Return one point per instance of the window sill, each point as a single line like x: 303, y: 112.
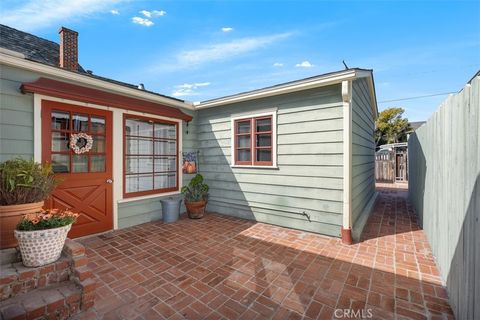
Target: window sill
x: 150, y: 196
x: 254, y: 167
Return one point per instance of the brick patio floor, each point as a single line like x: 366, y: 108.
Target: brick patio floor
x: 227, y: 268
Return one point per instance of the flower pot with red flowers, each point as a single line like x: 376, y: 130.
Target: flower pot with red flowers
x: 196, y: 196
x: 24, y: 185
x: 41, y: 235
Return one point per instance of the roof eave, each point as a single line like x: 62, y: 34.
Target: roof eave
x: 17, y: 61
x: 320, y: 81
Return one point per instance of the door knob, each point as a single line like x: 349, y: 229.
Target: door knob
x: 109, y: 181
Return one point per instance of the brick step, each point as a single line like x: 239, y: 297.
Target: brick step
x: 17, y: 279
x: 21, y: 286
x: 59, y: 301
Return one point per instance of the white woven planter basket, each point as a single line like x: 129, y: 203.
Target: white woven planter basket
x: 41, y: 247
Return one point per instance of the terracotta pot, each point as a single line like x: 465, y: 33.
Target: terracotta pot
x: 196, y: 210
x: 10, y: 216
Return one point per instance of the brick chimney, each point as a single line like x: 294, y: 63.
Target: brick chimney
x: 68, y: 49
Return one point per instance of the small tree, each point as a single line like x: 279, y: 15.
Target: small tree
x: 391, y: 127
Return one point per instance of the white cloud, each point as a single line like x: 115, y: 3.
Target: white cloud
x: 114, y: 11
x: 160, y: 13
x: 146, y: 13
x: 226, y: 50
x: 227, y: 29
x: 33, y: 15
x: 154, y: 13
x: 304, y: 64
x: 188, y: 89
x: 142, y: 21
x: 278, y: 64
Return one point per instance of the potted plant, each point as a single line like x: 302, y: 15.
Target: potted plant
x: 196, y: 196
x: 41, y: 235
x: 24, y: 185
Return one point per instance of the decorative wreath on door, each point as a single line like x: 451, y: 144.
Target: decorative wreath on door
x: 81, y: 142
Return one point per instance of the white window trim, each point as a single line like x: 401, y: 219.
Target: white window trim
x: 261, y: 113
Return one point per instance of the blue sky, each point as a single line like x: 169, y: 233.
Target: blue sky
x: 196, y: 50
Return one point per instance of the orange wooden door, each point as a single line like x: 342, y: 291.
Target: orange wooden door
x: 86, y: 178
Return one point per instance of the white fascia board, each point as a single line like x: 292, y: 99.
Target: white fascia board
x: 18, y: 62
x: 292, y: 87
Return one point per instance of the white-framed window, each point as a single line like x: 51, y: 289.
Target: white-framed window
x: 254, y: 139
x: 150, y: 156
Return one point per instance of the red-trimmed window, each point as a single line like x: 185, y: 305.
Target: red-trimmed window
x: 253, y: 141
x: 150, y: 156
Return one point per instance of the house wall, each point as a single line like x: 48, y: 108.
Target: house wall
x: 16, y: 115
x: 309, y: 157
x: 363, y: 156
x: 17, y: 140
x: 444, y: 187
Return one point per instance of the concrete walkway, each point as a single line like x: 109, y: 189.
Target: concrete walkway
x: 226, y: 268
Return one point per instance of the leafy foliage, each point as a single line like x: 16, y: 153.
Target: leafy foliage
x: 47, y: 219
x: 25, y: 181
x: 196, y: 189
x: 391, y: 127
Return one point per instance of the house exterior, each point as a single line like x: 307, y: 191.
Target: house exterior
x: 299, y: 154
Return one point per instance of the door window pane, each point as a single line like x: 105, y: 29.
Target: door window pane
x: 60, y: 141
x: 79, y: 163
x: 139, y: 146
x: 60, y: 163
x: 80, y: 122
x: 98, y: 124
x: 60, y: 120
x: 243, y: 141
x: 264, y: 155
x: 167, y: 147
x: 243, y: 127
x: 98, y: 144
x: 141, y: 182
x: 136, y: 127
x: 135, y: 164
x: 244, y: 155
x: 264, y: 125
x: 97, y: 163
x: 167, y: 131
x: 264, y: 140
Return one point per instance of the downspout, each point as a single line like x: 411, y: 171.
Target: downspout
x: 347, y: 162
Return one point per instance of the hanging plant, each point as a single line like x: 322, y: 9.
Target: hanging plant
x: 81, y: 142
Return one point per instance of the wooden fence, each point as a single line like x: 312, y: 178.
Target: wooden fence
x: 385, y: 166
x: 444, y: 186
x: 391, y: 166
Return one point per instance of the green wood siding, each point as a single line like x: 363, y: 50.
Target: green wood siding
x: 363, y: 155
x: 16, y: 115
x: 139, y: 211
x: 309, y: 159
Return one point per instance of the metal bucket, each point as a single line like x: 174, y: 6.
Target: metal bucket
x: 170, y: 209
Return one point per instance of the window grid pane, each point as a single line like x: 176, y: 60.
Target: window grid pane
x: 150, y: 155
x: 66, y: 123
x: 254, y: 141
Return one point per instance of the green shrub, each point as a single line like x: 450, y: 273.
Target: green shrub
x: 25, y: 181
x: 196, y: 190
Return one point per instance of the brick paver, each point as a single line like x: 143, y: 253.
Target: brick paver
x: 226, y: 268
